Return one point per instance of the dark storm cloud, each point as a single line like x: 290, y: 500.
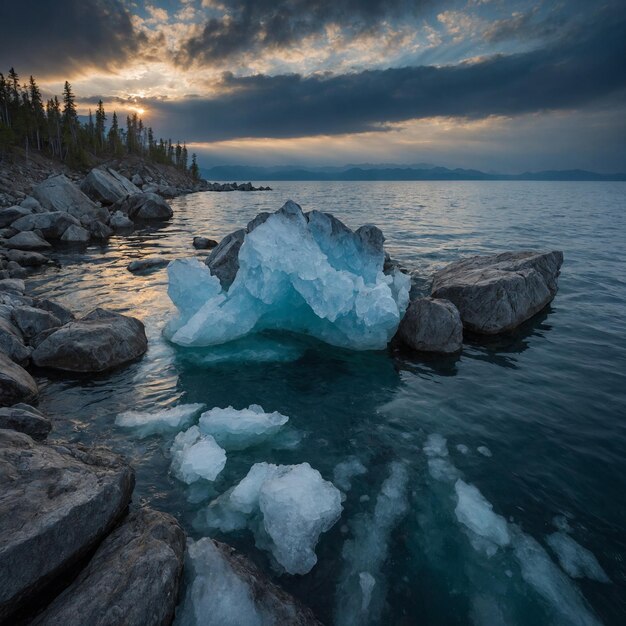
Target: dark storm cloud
x: 261, y: 24
x: 45, y: 36
x: 585, y: 67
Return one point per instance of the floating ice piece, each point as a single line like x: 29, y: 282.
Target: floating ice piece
x: 462, y: 448
x: 196, y: 456
x: 307, y: 274
x: 484, y: 450
x: 578, y: 562
x: 476, y: 514
x: 546, y: 578
x: 286, y: 506
x: 168, y: 420
x: 439, y: 467
x: 361, y: 589
x: 345, y: 471
x: 237, y: 429
x: 435, y: 445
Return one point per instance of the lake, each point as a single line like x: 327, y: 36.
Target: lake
x: 546, y: 405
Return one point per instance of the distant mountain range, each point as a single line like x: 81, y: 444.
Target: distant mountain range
x: 390, y: 172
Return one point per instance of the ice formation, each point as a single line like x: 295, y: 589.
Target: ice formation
x: 476, y: 514
x: 165, y: 421
x: 303, y: 273
x: 217, y: 596
x: 439, y: 465
x: 196, y: 456
x: 577, y: 561
x: 286, y: 506
x: 347, y: 470
x: 236, y: 430
x: 484, y: 450
x: 360, y: 594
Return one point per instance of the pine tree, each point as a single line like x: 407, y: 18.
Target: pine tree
x: 39, y: 116
x: 194, y: 170
x: 100, y: 124
x: 183, y: 158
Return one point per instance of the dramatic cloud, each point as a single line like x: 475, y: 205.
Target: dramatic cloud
x: 45, y: 37
x: 248, y: 25
x: 296, y: 106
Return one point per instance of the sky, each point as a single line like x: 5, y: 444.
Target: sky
x: 497, y: 85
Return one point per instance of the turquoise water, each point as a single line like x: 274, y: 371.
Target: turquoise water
x: 549, y: 402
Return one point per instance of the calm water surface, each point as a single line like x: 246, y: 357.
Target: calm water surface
x: 549, y: 403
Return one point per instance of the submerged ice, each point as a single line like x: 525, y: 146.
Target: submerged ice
x: 287, y: 507
x: 303, y: 273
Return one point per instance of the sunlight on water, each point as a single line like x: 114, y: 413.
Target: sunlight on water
x: 548, y: 403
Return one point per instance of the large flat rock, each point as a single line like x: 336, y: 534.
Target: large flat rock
x: 495, y: 294
x: 25, y: 419
x: 56, y: 504
x: 132, y: 579
x: 107, y: 186
x: 100, y: 341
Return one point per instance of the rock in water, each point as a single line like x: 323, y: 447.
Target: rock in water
x: 98, y: 342
x: 288, y: 507
x: 307, y: 274
x: 32, y: 321
x: 432, y: 325
x: 132, y: 579
x: 51, y: 224
x: 204, y: 243
x: 147, y: 263
x: 27, y: 241
x: 25, y: 419
x: 119, y: 221
x: 107, y: 186
x: 497, y: 293
x: 16, y: 384
x: 75, y: 234
x: 57, y: 504
x: 145, y: 206
x: 227, y: 588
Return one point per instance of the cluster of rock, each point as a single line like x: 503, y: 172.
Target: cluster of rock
x: 485, y: 295
x: 233, y: 187
x: 46, y: 334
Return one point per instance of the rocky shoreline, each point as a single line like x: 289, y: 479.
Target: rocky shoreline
x: 73, y: 545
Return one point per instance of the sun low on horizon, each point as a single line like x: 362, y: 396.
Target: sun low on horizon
x: 493, y: 85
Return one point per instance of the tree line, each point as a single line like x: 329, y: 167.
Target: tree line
x: 53, y: 127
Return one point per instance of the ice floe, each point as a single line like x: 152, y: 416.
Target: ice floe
x: 345, y: 471
x: 303, y: 273
x: 577, y: 561
x: 361, y: 589
x: 196, y: 456
x: 287, y: 507
x: 146, y: 423
x: 237, y: 429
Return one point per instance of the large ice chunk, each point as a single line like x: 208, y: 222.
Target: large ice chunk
x: 307, y: 274
x: 196, y: 456
x: 287, y: 507
x: 147, y: 423
x: 236, y: 430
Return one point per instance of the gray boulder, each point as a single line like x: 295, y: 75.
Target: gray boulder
x: 100, y: 341
x: 25, y: 419
x: 51, y: 224
x: 211, y: 561
x: 146, y: 206
x: 147, y: 263
x: 16, y: 384
x: 119, y: 221
x: 15, y: 270
x: 27, y: 258
x: 75, y: 234
x: 431, y: 325
x: 204, y: 243
x: 497, y: 293
x: 132, y: 579
x: 32, y: 321
x: 137, y: 180
x: 12, y: 286
x: 58, y: 310
x: 59, y: 193
x: 32, y: 205
x: 57, y: 504
x: 27, y: 241
x: 98, y: 230
x: 224, y: 259
x: 12, y: 342
x: 12, y: 213
x: 107, y: 186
